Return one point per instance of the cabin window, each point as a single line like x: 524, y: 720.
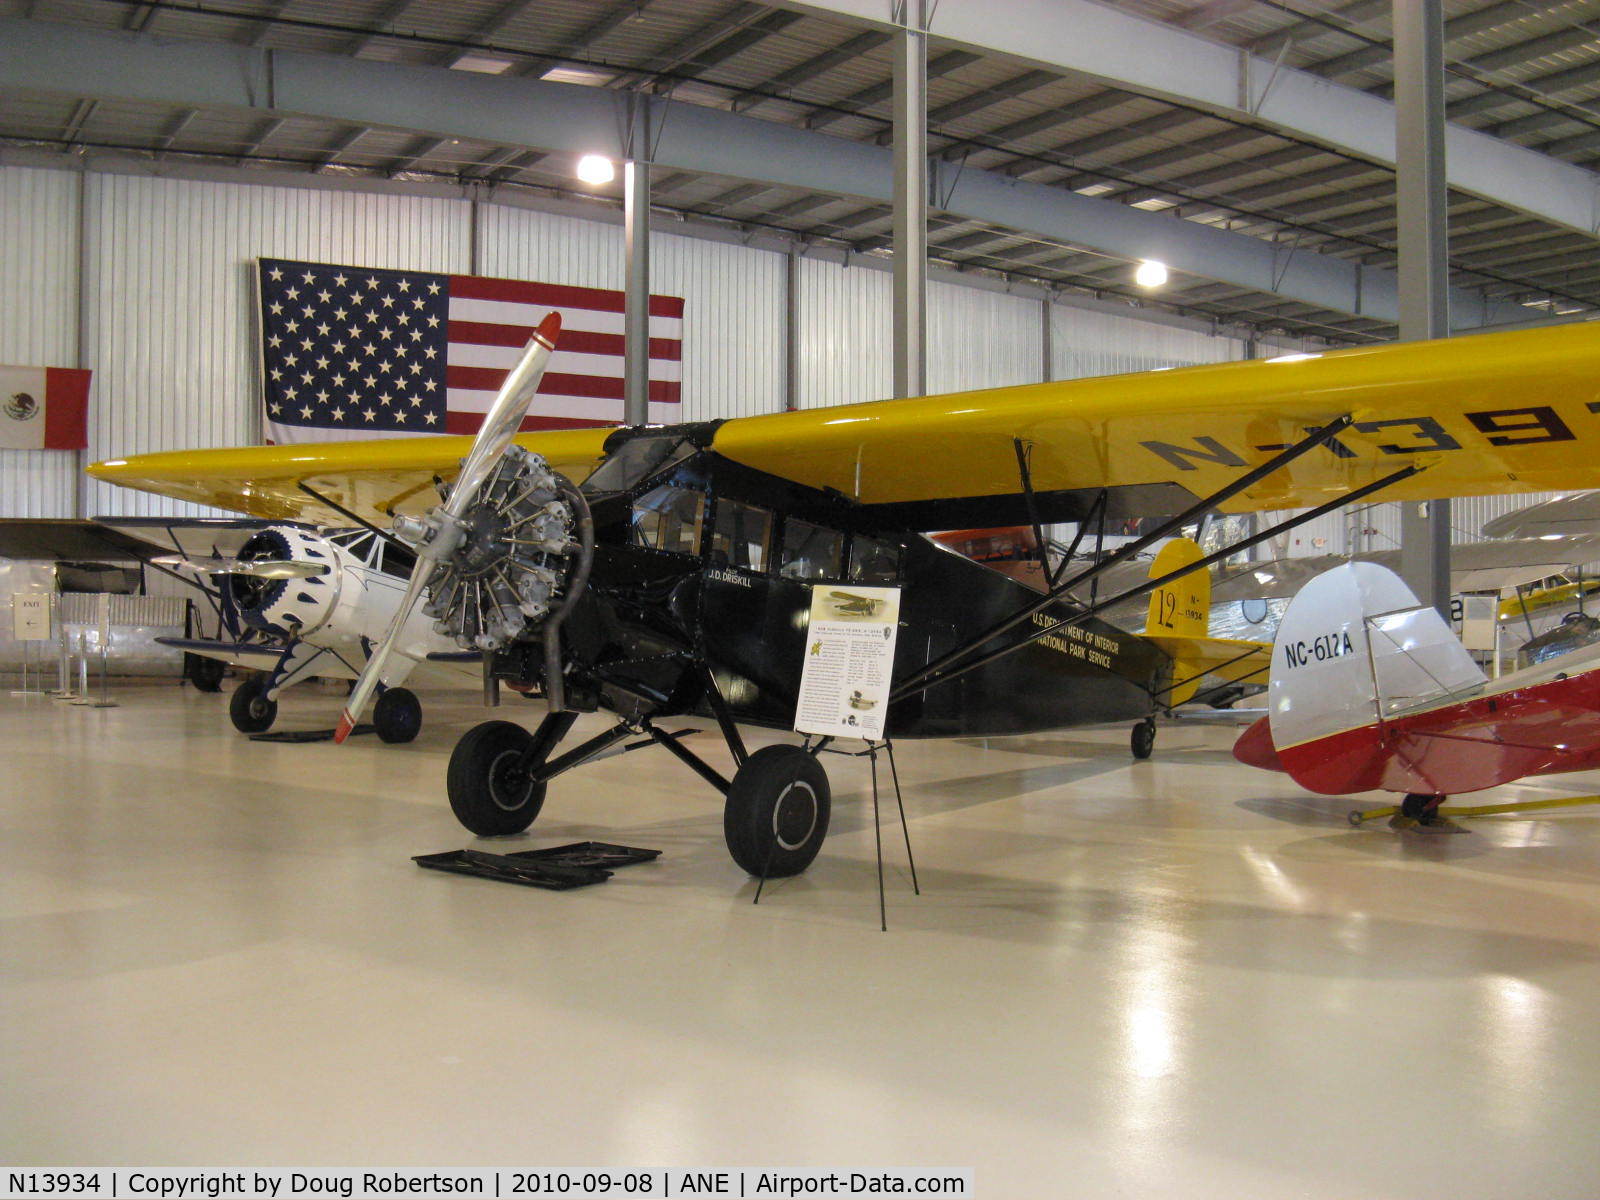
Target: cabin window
x: 740, y: 536
x: 669, y: 518
x: 810, y: 551
x: 873, y: 561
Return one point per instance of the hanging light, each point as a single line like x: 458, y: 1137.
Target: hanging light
x: 596, y: 169
x: 1150, y: 273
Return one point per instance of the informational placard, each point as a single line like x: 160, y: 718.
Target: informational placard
x: 30, y: 616
x: 844, y: 687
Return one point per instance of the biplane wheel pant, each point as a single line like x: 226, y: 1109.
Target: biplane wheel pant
x: 777, y: 812
x: 250, y: 709
x: 490, y: 780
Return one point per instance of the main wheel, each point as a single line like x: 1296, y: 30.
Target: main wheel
x: 777, y: 812
x: 490, y: 791
x: 1143, y: 741
x: 398, y: 715
x: 250, y: 709
x: 204, y: 673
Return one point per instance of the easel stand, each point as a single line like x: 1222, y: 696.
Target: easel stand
x: 871, y: 754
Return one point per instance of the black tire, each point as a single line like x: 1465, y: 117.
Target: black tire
x: 777, y: 812
x: 489, y: 793
x: 1143, y: 741
x: 397, y: 716
x: 204, y: 673
x: 250, y: 709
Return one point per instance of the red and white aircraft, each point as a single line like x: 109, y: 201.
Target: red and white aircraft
x: 1370, y: 690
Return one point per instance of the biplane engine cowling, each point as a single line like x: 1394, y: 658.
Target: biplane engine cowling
x: 509, y: 558
x: 288, y: 607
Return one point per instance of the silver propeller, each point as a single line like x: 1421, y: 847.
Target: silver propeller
x: 439, y: 533
x: 256, y: 568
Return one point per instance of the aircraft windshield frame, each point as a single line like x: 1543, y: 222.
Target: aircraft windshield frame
x: 637, y: 460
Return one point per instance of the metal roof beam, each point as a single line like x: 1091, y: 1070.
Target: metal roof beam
x: 817, y: 65
x: 1156, y: 59
x: 46, y: 58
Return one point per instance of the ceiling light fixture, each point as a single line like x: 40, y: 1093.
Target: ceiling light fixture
x: 1150, y: 274
x: 596, y: 169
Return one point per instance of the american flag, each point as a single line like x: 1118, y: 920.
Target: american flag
x: 355, y: 352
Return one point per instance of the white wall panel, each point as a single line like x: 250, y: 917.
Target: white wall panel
x: 39, y: 321
x: 169, y: 279
x: 846, y: 328
x: 732, y: 324
x: 982, y: 339
x: 516, y: 243
x: 1093, y: 343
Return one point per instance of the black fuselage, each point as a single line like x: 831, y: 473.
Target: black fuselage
x: 703, y: 563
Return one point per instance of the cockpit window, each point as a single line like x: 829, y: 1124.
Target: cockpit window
x: 669, y: 518
x: 873, y: 561
x: 810, y: 551
x: 740, y: 536
x: 636, y: 460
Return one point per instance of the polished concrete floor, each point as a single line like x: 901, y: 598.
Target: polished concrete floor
x: 1173, y: 978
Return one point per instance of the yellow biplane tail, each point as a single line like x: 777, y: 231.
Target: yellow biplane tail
x: 1181, y: 608
x: 1179, y: 623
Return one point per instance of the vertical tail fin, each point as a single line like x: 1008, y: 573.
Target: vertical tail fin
x: 1181, y: 608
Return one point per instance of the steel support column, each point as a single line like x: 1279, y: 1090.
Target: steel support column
x: 910, y: 198
x: 636, y: 240
x: 1423, y: 233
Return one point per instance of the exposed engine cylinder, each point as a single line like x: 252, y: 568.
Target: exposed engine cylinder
x: 510, y: 558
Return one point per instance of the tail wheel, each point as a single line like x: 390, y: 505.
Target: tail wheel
x: 398, y: 715
x: 777, y: 812
x: 250, y: 709
x: 1143, y: 741
x: 491, y: 791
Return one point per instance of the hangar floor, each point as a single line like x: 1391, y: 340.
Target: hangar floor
x: 1174, y: 978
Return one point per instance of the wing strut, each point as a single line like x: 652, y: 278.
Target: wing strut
x: 1311, y: 441
x: 929, y: 676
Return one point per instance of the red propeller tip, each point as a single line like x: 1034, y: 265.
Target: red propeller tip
x: 549, y: 329
x: 346, y: 724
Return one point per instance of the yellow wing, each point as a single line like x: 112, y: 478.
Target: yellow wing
x: 1486, y: 413
x: 1503, y: 412
x: 371, y: 478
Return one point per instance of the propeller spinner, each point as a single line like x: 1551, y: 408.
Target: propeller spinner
x: 455, y: 543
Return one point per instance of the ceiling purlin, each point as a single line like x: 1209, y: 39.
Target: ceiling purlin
x: 486, y: 29
x: 853, y: 104
x: 392, y: 12
x: 263, y: 22
x: 981, y: 98
x: 331, y: 156
x: 264, y: 132
x: 174, y: 128
x: 421, y: 148
x: 813, y: 67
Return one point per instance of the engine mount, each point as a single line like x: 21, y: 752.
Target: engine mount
x: 502, y: 566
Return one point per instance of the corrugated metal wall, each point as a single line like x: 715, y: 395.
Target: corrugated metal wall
x: 1083, y: 343
x: 846, y: 335
x: 38, y: 321
x: 168, y: 279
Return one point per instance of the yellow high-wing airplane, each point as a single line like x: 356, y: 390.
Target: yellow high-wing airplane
x: 675, y: 578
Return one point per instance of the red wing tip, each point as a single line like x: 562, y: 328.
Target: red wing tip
x: 346, y: 724
x: 549, y: 329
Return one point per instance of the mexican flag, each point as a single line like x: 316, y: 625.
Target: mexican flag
x: 43, y: 408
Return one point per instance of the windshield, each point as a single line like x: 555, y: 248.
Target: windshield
x: 635, y: 460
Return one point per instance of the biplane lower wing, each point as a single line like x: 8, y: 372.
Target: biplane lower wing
x: 1503, y: 412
